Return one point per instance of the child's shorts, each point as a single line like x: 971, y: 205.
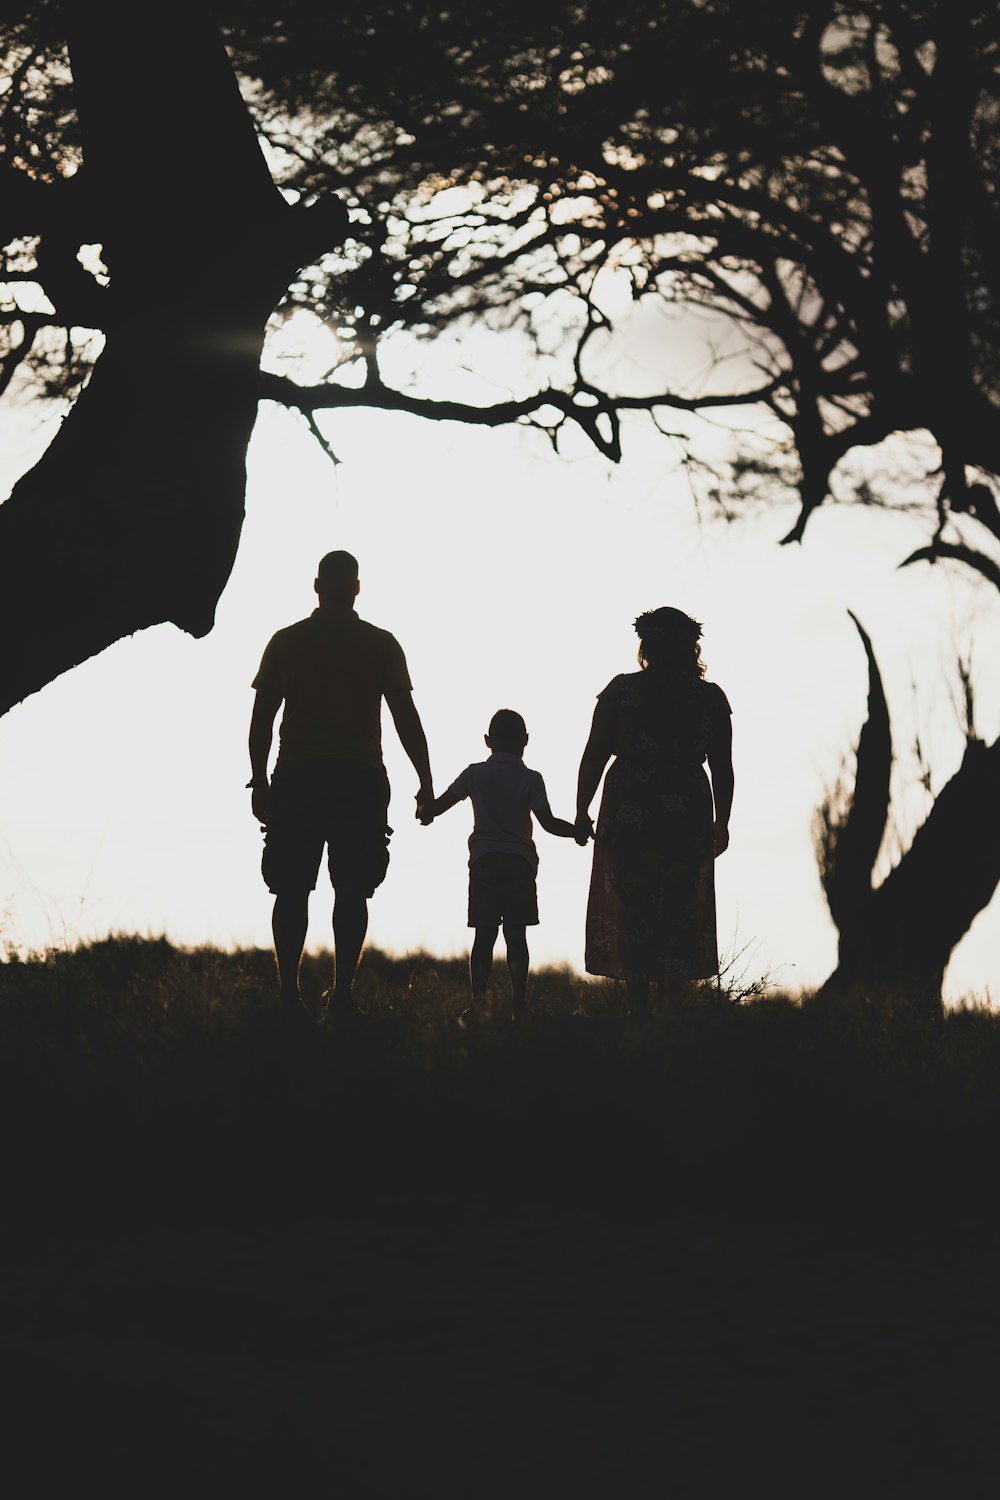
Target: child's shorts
x: 502, y: 889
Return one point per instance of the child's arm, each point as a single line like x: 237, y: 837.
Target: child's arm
x: 457, y: 792
x: 558, y: 826
x: 539, y: 805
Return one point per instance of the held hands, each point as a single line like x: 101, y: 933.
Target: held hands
x: 425, y: 805
x: 584, y: 829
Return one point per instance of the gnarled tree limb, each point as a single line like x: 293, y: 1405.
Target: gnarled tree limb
x: 849, y: 840
x: 958, y: 553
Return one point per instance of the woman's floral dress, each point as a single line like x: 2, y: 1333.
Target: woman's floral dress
x: 651, y: 910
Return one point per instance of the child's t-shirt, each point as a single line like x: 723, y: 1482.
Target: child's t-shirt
x: 504, y: 793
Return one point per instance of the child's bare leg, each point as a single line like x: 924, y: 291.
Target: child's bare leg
x: 481, y: 959
x: 516, y: 939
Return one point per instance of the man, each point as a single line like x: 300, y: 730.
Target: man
x: 329, y: 788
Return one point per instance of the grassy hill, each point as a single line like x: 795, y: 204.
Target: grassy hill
x: 137, y: 1073
x: 419, y: 1253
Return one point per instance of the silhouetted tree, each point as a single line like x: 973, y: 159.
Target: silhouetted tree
x: 897, y: 937
x: 821, y: 178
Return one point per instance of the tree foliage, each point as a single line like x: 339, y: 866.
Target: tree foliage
x: 821, y: 176
x: 824, y: 176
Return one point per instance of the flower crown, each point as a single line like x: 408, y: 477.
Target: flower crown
x: 665, y: 622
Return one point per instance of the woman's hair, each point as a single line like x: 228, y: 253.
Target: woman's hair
x: 668, y: 639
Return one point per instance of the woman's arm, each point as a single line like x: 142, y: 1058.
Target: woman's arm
x: 599, y: 749
x: 720, y: 760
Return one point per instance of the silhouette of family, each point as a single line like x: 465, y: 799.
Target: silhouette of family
x: 650, y: 918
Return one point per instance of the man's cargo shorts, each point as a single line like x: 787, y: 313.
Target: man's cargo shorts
x: 337, y: 804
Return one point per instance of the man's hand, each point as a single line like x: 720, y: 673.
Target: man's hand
x: 425, y: 805
x: 584, y: 829
x: 721, y: 839
x: 259, y: 802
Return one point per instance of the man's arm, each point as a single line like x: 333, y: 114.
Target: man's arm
x: 413, y: 740
x: 265, y: 708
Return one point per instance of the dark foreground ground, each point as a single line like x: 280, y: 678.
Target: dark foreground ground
x: 523, y: 1353
x: 740, y: 1248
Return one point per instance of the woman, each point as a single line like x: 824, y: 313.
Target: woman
x: 651, y: 913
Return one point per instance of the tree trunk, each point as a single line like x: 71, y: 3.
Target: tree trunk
x: 133, y: 515
x: 914, y: 920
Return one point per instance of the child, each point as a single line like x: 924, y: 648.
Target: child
x: 502, y: 855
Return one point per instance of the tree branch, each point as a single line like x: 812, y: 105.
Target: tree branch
x: 375, y: 394
x: 958, y: 553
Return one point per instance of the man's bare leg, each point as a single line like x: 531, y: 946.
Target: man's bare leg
x: 516, y: 939
x: 481, y: 959
x: 289, y: 921
x: 350, y: 924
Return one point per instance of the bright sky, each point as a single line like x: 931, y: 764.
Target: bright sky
x: 511, y: 577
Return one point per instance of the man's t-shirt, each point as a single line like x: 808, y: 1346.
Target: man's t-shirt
x: 504, y: 794
x: 332, y: 670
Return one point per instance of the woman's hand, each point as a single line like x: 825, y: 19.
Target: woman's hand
x: 584, y: 829
x: 721, y: 838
